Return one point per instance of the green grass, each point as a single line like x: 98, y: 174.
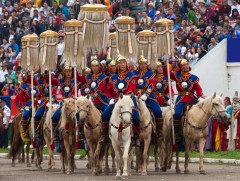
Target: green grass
x: 193, y: 154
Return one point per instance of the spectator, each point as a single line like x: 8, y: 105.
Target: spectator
x: 14, y: 46
x: 76, y: 8
x: 65, y: 11
x: 212, y: 44
x: 55, y: 7
x: 225, y: 8
x: 6, y: 120
x: 151, y: 11
x: 192, y: 15
x: 3, y: 73
x: 171, y: 15
x: 145, y: 20
x: 5, y: 44
x: 157, y: 16
x: 46, y: 8
x: 60, y: 49
x: 40, y: 8
x: 235, y: 6
x: 11, y: 54
x: 237, y: 25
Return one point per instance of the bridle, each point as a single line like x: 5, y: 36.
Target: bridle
x: 121, y: 117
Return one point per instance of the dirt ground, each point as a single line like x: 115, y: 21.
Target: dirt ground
x: 22, y: 173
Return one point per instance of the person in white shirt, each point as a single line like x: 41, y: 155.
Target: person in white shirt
x: 6, y: 119
x: 235, y: 6
x: 60, y: 49
x: 3, y: 74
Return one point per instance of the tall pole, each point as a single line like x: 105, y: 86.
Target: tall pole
x: 32, y: 96
x: 75, y: 92
x: 50, y: 103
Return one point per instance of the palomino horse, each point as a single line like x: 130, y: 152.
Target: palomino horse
x: 17, y: 145
x: 146, y: 128
x: 120, y: 133
x: 91, y: 117
x: 68, y: 130
x: 195, y: 121
x: 47, y: 135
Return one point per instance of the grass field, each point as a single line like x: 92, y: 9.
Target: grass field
x: 193, y: 154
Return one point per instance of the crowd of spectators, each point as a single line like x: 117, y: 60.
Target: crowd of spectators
x: 199, y: 26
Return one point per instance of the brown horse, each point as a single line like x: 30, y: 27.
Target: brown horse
x: 68, y: 130
x: 16, y: 142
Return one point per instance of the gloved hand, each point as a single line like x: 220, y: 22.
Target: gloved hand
x: 200, y: 99
x: 143, y: 97
x: 111, y: 101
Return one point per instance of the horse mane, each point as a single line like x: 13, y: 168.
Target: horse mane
x: 48, y: 117
x: 143, y: 107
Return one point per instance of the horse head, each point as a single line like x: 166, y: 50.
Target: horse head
x: 84, y: 105
x: 69, y: 108
x: 217, y: 107
x: 124, y: 107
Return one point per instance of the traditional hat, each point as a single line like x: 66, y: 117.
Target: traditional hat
x: 67, y: 66
x: 142, y: 59
x: 112, y: 63
x: 120, y: 57
x: 95, y: 61
x: 87, y: 71
x: 158, y: 63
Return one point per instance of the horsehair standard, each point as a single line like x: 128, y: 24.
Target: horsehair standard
x: 48, y: 50
x: 95, y: 27
x: 73, y: 51
x: 126, y: 38
x: 113, y: 45
x: 147, y: 43
x: 165, y: 37
x: 30, y: 52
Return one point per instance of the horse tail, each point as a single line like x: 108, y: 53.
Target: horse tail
x: 15, y: 139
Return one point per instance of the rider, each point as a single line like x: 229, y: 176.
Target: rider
x: 23, y: 98
x: 146, y: 84
x: 187, y: 85
x: 43, y: 85
x: 67, y: 89
x: 124, y: 82
x: 112, y: 68
x: 97, y: 83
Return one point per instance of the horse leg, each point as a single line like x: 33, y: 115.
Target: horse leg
x: 27, y: 153
x: 106, y: 169
x: 113, y: 160
x: 156, y: 156
x: 117, y: 158
x: 145, y: 157
x: 177, y: 162
x: 125, y: 158
x: 202, y: 142
x: 138, y: 160
x: 92, y: 160
x: 187, y: 147
x: 23, y: 154
x: 68, y: 155
x: 63, y: 160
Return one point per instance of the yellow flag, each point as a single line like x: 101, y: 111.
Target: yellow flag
x: 217, y: 139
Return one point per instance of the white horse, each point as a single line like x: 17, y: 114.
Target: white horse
x: 195, y: 127
x: 120, y: 133
x: 47, y: 135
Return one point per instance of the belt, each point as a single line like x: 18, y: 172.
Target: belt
x: 161, y: 94
x: 185, y: 94
x: 45, y: 98
x: 141, y: 90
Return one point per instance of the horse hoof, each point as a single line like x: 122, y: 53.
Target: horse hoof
x: 39, y: 168
x: 163, y: 169
x: 114, y: 170
x: 203, y: 172
x: 178, y: 170
x: 144, y: 174
x: 69, y: 172
x: 118, y: 177
x: 157, y: 169
x: 186, y: 171
x: 29, y: 165
x: 88, y: 166
x: 124, y: 177
x: 13, y: 165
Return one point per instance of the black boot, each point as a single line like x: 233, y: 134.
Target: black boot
x: 159, y: 124
x: 36, y: 129
x: 104, y: 136
x: 177, y: 130
x: 136, y: 139
x: 55, y: 132
x: 80, y: 131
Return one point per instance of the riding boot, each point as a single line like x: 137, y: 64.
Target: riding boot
x: 36, y: 130
x: 159, y: 124
x: 24, y: 125
x: 177, y: 130
x: 80, y: 131
x: 55, y: 132
x: 104, y: 136
x: 137, y: 141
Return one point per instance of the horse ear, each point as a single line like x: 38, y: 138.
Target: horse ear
x: 88, y: 96
x: 221, y: 94
x: 74, y: 98
x: 214, y: 95
x: 121, y: 96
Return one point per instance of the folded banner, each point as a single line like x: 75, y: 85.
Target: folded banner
x: 233, y: 53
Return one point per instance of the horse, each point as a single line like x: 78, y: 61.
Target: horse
x: 17, y: 144
x: 47, y: 135
x: 107, y: 169
x: 146, y: 128
x: 68, y: 130
x: 91, y: 117
x: 120, y: 132
x: 195, y: 121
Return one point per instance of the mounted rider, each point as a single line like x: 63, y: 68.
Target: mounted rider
x: 67, y: 89
x: 161, y: 89
x: 43, y: 85
x: 187, y: 85
x: 24, y: 99
x: 146, y: 85
x: 96, y: 83
x: 124, y: 82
